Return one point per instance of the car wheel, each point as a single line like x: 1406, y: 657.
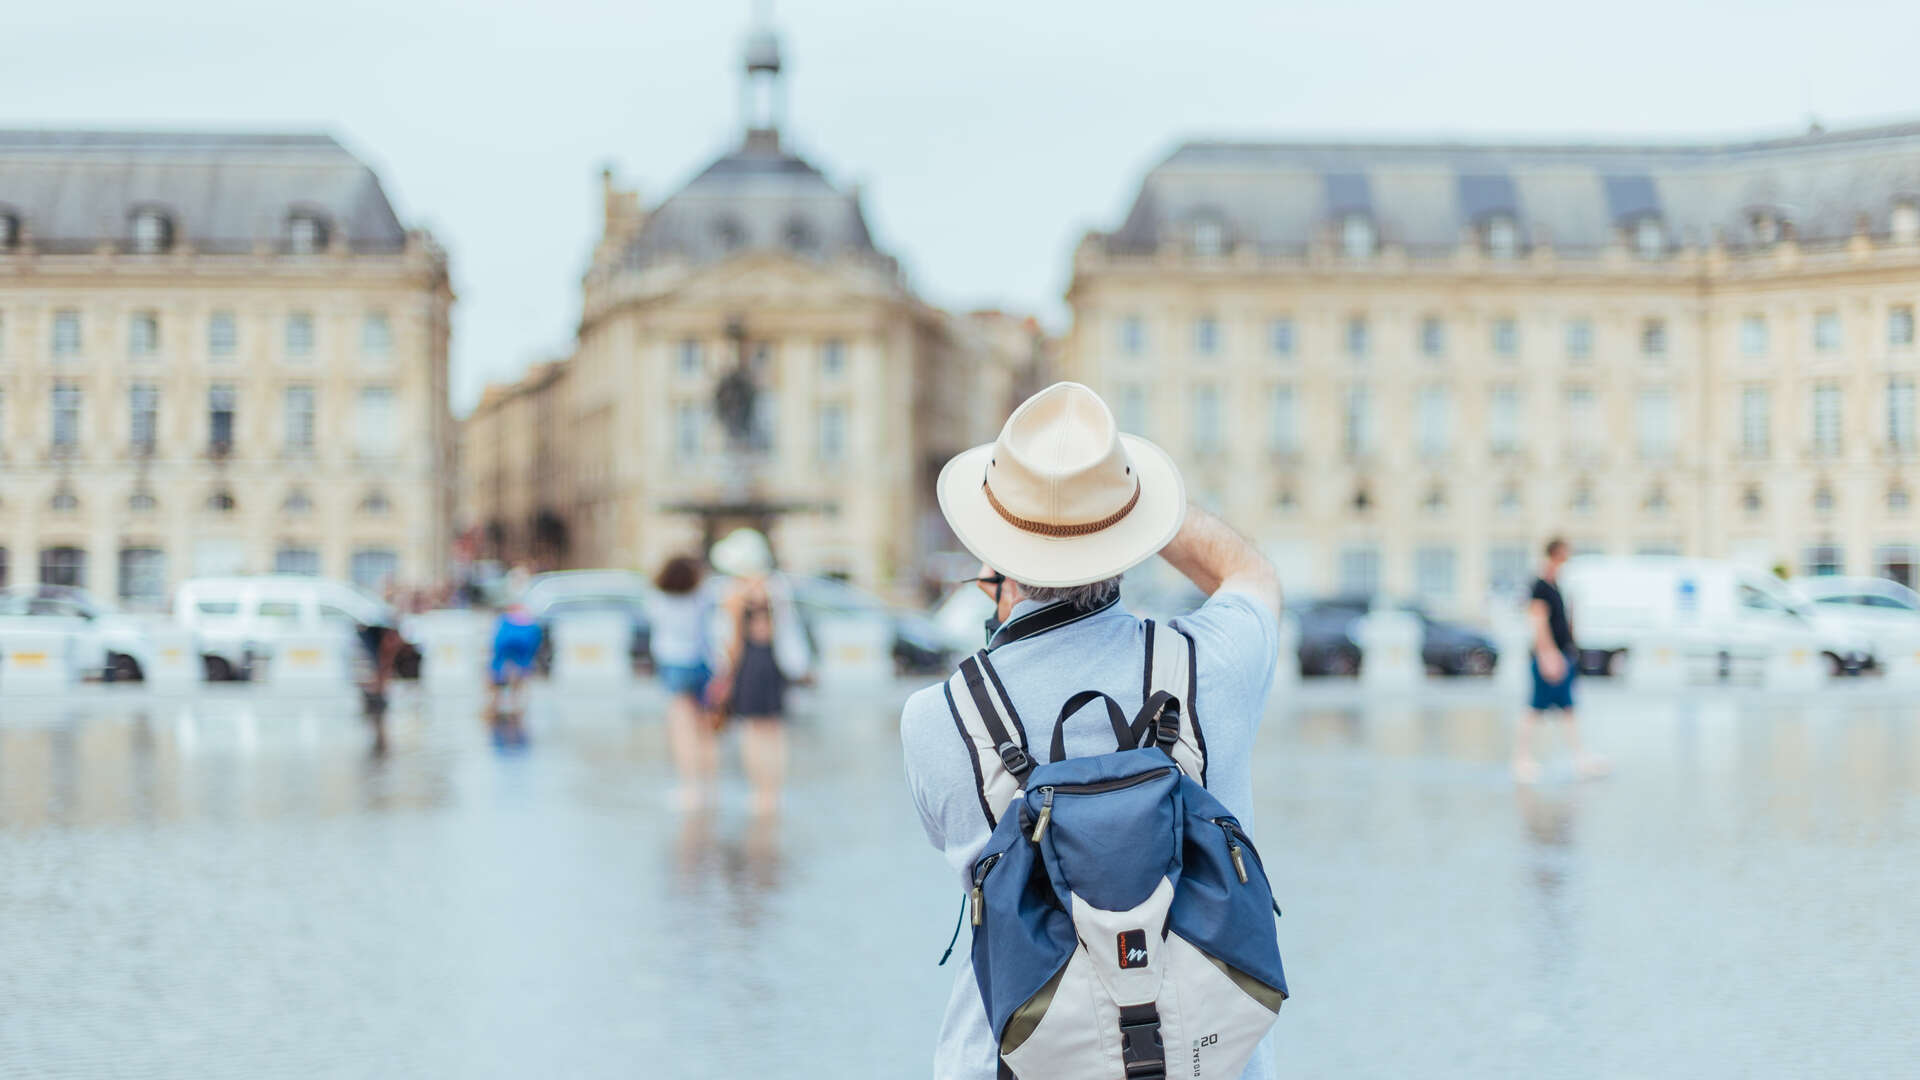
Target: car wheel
x: 1836, y: 667
x: 123, y: 668
x: 218, y: 669
x: 1478, y: 662
x: 1344, y: 662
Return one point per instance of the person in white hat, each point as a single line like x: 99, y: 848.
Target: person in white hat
x: 1057, y: 509
x: 763, y: 650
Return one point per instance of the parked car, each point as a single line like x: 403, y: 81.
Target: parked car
x: 555, y: 597
x: 1722, y: 610
x: 919, y: 645
x: 1884, y: 615
x: 1328, y: 645
x: 107, y: 645
x: 239, y: 620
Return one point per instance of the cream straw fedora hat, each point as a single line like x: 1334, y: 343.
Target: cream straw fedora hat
x: 1062, y: 498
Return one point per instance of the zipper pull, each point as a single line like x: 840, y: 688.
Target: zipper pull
x: 979, y: 903
x: 1046, y: 814
x: 1233, y: 852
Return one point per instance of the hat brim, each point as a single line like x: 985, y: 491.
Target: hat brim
x: 1062, y: 562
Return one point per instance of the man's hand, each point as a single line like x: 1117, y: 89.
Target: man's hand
x: 1214, y: 557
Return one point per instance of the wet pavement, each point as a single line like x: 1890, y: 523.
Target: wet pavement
x: 247, y: 887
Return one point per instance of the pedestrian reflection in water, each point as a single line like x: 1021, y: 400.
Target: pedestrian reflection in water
x: 373, y: 710
x: 743, y: 861
x: 1547, y: 818
x: 509, y: 730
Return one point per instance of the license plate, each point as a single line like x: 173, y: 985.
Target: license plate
x: 303, y: 657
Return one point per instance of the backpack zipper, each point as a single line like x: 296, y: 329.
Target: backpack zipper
x: 1046, y: 814
x: 979, y: 897
x: 1235, y: 840
x: 1097, y: 787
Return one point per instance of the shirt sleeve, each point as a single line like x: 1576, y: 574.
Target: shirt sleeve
x: 1540, y: 591
x: 1239, y: 637
x: 939, y: 774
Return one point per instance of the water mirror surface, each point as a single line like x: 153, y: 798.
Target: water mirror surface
x: 239, y: 886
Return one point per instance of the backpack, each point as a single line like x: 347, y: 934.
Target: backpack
x: 1123, y: 923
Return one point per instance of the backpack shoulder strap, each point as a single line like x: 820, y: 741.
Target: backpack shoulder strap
x: 992, y: 732
x: 1170, y: 672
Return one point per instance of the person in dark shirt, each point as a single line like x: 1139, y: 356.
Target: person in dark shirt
x: 1556, y: 661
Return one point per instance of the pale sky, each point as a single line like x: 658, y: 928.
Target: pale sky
x: 989, y: 135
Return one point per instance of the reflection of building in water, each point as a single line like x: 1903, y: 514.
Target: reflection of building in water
x: 1402, y: 366
x: 859, y: 389
x: 218, y: 353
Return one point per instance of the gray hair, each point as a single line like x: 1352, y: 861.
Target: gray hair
x: 1084, y: 597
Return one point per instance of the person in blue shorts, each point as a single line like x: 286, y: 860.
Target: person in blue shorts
x: 681, y: 615
x: 516, y: 641
x: 1556, y: 663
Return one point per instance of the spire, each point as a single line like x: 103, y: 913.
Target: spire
x: 763, y: 96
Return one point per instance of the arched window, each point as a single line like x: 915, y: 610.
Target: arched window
x: 1767, y: 224
x: 1906, y: 221
x: 152, y: 231
x: 64, y: 500
x: 221, y: 502
x: 9, y: 230
x: 1823, y: 500
x: 1501, y: 234
x: 306, y: 232
x: 729, y: 234
x: 375, y: 503
x: 1649, y: 237
x: 1208, y: 235
x: 800, y: 237
x: 1358, y: 238
x: 1750, y: 500
x: 296, y: 502
x: 1897, y: 500
x: 141, y: 500
x: 1657, y: 500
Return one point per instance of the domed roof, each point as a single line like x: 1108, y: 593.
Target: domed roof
x: 759, y: 197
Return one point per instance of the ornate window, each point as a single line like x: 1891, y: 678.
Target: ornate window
x: 1358, y: 237
x: 1209, y: 236
x: 1649, y: 237
x: 306, y: 233
x: 152, y: 232
x: 1501, y: 235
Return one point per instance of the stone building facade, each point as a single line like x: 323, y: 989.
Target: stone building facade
x: 748, y: 355
x: 218, y: 354
x: 515, y: 475
x: 1404, y: 366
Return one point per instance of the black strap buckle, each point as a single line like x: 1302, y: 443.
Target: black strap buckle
x: 1166, y: 724
x: 1017, y: 760
x: 1140, y: 1049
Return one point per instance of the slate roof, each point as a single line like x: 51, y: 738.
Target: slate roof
x: 72, y: 190
x: 1426, y: 196
x: 756, y: 197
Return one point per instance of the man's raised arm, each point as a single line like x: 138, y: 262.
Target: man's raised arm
x: 1214, y: 557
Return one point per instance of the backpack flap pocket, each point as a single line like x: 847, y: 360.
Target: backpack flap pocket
x: 1021, y: 937
x: 1224, y: 906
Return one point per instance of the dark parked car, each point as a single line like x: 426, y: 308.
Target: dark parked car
x: 1327, y: 645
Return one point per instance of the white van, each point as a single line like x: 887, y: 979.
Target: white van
x: 238, y: 620
x: 1729, y: 614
